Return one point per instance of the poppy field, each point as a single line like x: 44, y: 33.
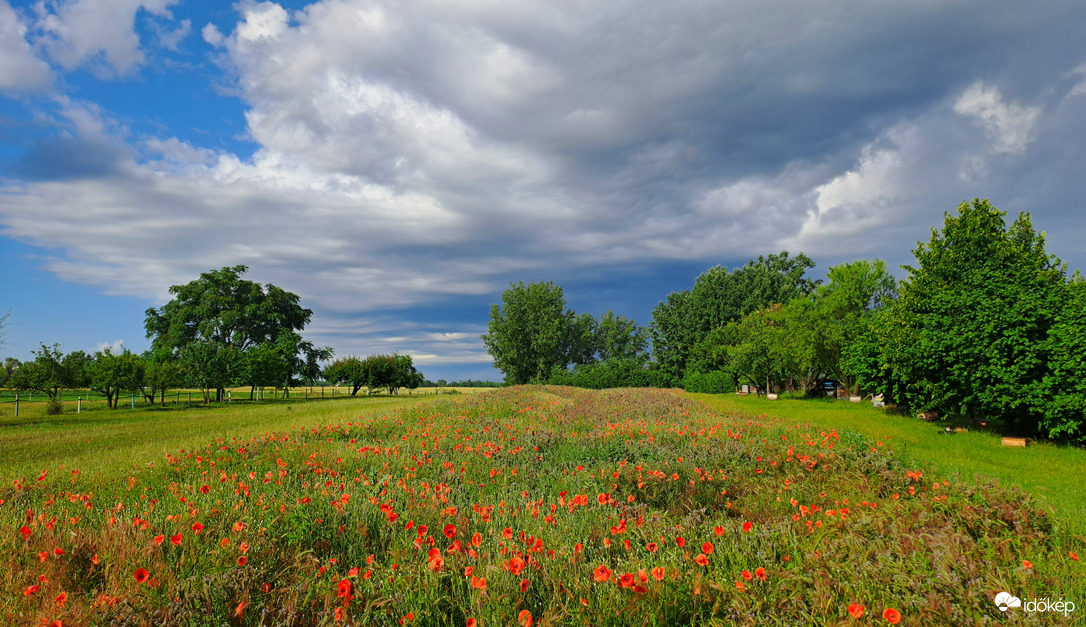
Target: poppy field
x: 529, y: 506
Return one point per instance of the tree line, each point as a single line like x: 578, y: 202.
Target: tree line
x: 216, y: 332
x: 987, y: 325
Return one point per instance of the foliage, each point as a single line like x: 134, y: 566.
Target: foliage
x: 714, y: 382
x: 611, y: 373
x: 375, y: 372
x: 1065, y: 384
x: 161, y: 372
x: 532, y: 332
x: 49, y: 373
x: 110, y: 374
x: 619, y: 337
x: 227, y: 317
x: 718, y: 297
x: 8, y: 368
x: 211, y: 366
x: 973, y: 318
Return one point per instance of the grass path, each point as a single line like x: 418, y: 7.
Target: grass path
x: 106, y: 440
x: 1054, y: 474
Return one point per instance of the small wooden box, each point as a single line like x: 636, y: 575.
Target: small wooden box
x: 1015, y: 441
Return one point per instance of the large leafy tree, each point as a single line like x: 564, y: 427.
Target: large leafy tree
x: 719, y: 297
x: 531, y: 332
x: 1065, y: 384
x: 970, y: 329
x: 162, y: 371
x: 619, y: 337
x: 226, y: 316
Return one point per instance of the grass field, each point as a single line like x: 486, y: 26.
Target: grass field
x: 525, y: 506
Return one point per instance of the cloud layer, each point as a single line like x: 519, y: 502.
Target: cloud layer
x: 409, y: 155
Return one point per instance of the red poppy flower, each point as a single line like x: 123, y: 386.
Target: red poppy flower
x: 658, y: 573
x: 477, y: 540
x: 707, y: 548
x: 602, y: 573
x: 197, y: 527
x: 141, y: 575
x: 1025, y: 564
x: 471, y: 623
x: 626, y: 580
x: 343, y: 588
x: 702, y: 559
x: 680, y: 541
x: 891, y: 615
x: 856, y: 610
x: 158, y: 539
x: 760, y: 573
x: 748, y: 526
x: 739, y: 586
x: 62, y: 598
x: 25, y: 531
x: 450, y: 531
x: 507, y: 533
x: 176, y: 540
x: 524, y: 585
x: 242, y: 560
x: 31, y: 590
x: 59, y: 551
x: 718, y: 530
x: 651, y: 546
x: 524, y: 619
x: 746, y: 575
x: 240, y: 608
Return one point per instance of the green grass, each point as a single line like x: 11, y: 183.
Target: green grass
x: 1052, y: 473
x: 104, y: 441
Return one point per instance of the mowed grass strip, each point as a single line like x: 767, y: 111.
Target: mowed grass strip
x: 1051, y: 473
x: 107, y: 441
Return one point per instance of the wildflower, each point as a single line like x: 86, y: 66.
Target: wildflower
x: 602, y: 573
x: 651, y: 547
x: 242, y: 560
x: 681, y: 541
x: 702, y: 559
x: 718, y: 530
x: 524, y: 585
x: 176, y: 540
x: 739, y: 586
x: 450, y: 531
x: 25, y: 531
x: 62, y: 598
x: 1028, y: 565
x: 477, y: 540
x: 626, y: 580
x: 707, y: 548
x: 340, y: 614
x: 746, y: 575
x: 855, y: 610
x: 891, y: 615
x: 748, y: 526
x: 141, y: 575
x: 1073, y: 555
x: 31, y: 590
x: 524, y: 619
x: 408, y: 618
x: 239, y: 526
x: 197, y: 527
x: 471, y: 623
x: 58, y: 551
x: 658, y: 573
x: 343, y: 588
x: 760, y: 573
x: 240, y: 608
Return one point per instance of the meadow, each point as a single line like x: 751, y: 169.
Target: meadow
x: 522, y: 506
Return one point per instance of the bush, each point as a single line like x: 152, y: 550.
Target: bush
x: 715, y: 382
x: 611, y: 373
x: 54, y: 408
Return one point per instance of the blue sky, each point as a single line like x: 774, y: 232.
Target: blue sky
x: 398, y: 164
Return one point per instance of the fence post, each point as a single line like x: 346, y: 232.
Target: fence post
x: 133, y: 401
x: 16, y: 405
x: 79, y: 405
x: 190, y: 398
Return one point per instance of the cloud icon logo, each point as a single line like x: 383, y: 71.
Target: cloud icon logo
x: 1004, y: 600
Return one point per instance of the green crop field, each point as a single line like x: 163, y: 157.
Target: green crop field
x: 530, y: 506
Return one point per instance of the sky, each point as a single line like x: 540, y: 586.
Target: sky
x: 398, y: 164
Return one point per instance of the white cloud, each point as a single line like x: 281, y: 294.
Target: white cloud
x: 212, y: 35
x: 95, y: 33
x: 1009, y: 125
x: 116, y: 347
x: 20, y: 70
x: 170, y: 39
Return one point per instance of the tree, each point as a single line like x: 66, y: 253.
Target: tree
x: 162, y: 371
x: 619, y: 337
x: 211, y: 366
x: 838, y: 308
x: 719, y: 297
x: 9, y: 367
x: 49, y: 373
x: 973, y: 318
x: 407, y: 376
x: 232, y: 316
x: 1065, y: 384
x: 531, y: 332
x: 110, y: 374
x: 349, y: 371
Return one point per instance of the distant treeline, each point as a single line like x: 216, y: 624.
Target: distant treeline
x: 467, y: 383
